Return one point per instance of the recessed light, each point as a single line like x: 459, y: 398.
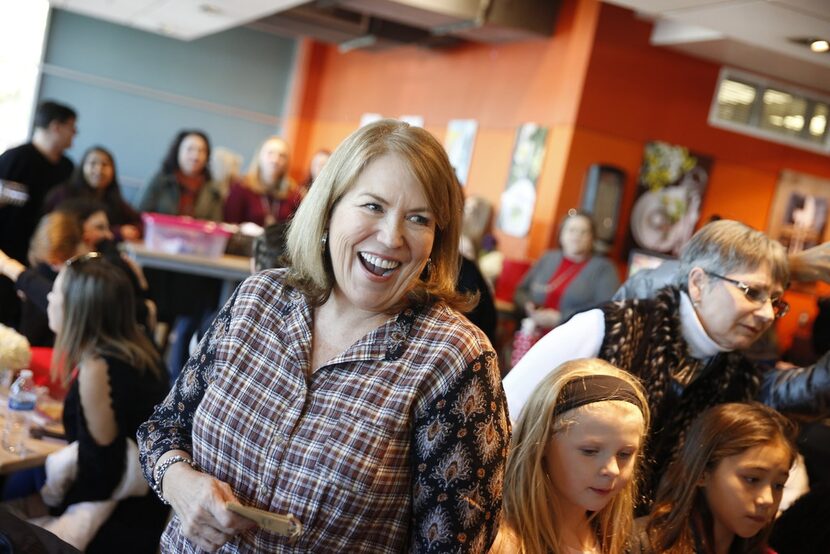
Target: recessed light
x: 820, y: 45
x: 817, y: 45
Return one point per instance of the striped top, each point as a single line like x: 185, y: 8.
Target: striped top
x: 397, y: 444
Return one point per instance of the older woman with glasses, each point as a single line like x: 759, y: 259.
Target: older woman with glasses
x: 683, y: 344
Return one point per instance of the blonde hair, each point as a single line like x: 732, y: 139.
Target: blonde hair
x: 57, y: 238
x: 253, y: 179
x: 427, y: 161
x: 530, y: 506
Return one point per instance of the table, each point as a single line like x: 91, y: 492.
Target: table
x: 230, y: 269
x: 36, y: 452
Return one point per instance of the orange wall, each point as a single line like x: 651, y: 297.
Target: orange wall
x: 598, y: 85
x: 501, y: 86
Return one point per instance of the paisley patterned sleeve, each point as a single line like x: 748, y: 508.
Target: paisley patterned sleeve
x: 459, y: 450
x: 170, y: 426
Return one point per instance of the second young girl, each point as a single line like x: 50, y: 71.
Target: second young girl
x: 722, y: 492
x: 569, y: 485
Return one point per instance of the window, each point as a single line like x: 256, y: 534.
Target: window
x: 756, y: 106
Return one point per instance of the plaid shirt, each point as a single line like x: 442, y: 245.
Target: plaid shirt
x: 396, y: 444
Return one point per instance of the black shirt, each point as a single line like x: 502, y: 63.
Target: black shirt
x: 25, y: 164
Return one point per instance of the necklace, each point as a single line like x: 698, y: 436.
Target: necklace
x: 268, y: 202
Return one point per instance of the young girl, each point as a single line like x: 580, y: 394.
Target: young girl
x: 120, y: 378
x: 569, y: 484
x: 722, y: 492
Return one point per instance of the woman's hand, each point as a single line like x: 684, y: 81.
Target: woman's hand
x: 546, y: 318
x: 199, y: 501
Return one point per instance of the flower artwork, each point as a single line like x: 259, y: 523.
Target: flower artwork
x: 670, y: 193
x: 15, y: 352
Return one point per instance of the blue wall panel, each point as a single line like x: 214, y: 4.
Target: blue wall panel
x: 134, y: 90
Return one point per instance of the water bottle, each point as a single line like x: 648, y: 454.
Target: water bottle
x: 22, y: 399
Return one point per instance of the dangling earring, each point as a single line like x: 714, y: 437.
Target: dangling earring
x: 427, y: 270
x: 324, y: 239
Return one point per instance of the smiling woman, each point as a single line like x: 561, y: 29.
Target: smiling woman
x: 379, y: 415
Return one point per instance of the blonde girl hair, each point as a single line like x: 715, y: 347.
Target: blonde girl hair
x: 99, y: 319
x: 530, y: 506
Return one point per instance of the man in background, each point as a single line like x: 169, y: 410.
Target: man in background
x: 39, y: 165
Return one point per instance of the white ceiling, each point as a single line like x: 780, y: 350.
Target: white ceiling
x: 746, y: 34
x: 182, y: 19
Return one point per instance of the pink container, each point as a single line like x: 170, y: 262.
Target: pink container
x: 173, y: 234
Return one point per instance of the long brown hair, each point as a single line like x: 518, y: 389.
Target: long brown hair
x: 99, y: 318
x: 680, y: 511
x: 530, y: 507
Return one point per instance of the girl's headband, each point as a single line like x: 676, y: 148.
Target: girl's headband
x: 595, y: 388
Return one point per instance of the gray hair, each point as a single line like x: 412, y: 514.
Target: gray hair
x: 726, y: 246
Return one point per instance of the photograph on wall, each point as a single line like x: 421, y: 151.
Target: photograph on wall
x: 459, y: 143
x: 519, y: 196
x: 670, y: 191
x: 798, y: 218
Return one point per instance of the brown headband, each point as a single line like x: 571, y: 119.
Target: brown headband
x: 595, y: 388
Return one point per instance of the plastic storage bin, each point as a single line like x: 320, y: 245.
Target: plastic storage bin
x: 184, y: 235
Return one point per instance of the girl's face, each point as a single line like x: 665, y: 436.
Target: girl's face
x: 98, y: 170
x: 593, y: 458
x: 193, y: 155
x: 744, y: 490
x: 54, y: 308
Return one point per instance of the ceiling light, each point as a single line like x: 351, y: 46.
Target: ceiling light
x: 820, y: 45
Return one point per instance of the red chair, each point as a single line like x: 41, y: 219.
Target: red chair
x: 40, y: 366
x: 511, y: 275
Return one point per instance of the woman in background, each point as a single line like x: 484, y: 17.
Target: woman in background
x: 96, y: 178
x: 267, y: 195
x: 183, y: 185
x: 571, y: 479
x: 57, y: 238
x: 318, y: 161
x: 722, y: 493
x: 120, y: 378
x: 566, y: 281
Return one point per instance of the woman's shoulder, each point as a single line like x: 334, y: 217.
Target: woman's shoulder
x: 268, y: 286
x: 453, y: 326
x: 600, y: 261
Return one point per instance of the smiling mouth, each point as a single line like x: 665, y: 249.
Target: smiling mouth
x: 378, y: 266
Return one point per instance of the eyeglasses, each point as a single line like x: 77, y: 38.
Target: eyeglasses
x: 756, y: 295
x: 80, y: 258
